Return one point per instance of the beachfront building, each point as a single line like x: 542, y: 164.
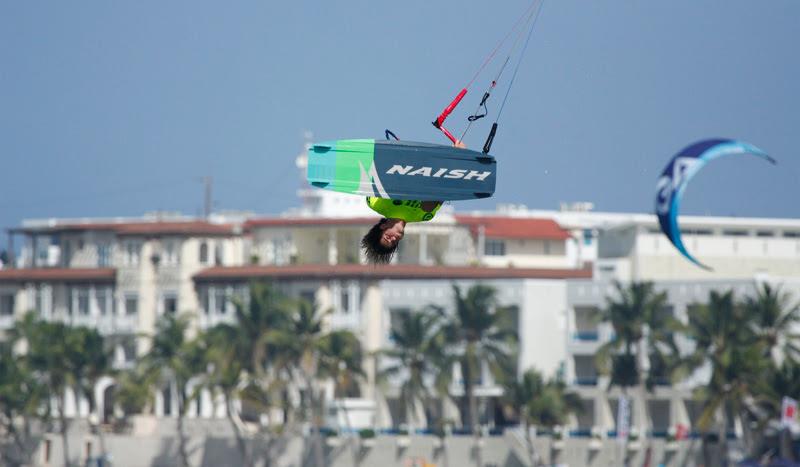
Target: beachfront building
x: 742, y: 253
x: 556, y: 267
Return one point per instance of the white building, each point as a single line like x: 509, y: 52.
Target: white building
x: 557, y: 267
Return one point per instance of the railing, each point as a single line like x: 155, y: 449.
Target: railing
x: 588, y: 336
x: 586, y: 381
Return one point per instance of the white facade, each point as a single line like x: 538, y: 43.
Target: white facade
x: 155, y: 271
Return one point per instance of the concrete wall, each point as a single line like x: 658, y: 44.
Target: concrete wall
x: 212, y: 444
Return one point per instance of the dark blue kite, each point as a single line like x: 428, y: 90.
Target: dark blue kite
x: 676, y: 176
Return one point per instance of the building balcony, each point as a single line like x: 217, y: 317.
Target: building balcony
x: 207, y: 321
x: 586, y: 336
x: 583, y: 346
x: 586, y: 381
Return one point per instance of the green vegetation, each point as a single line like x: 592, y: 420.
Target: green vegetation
x: 278, y: 356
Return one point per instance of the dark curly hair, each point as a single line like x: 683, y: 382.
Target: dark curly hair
x: 371, y: 243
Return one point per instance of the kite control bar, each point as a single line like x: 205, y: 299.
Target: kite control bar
x: 443, y: 116
x: 438, y: 123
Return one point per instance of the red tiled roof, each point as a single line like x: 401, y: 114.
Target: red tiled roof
x: 58, y: 275
x: 142, y: 228
x: 307, y: 222
x: 514, y: 227
x: 400, y: 271
x: 176, y: 228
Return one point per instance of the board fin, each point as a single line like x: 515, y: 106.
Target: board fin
x: 321, y: 148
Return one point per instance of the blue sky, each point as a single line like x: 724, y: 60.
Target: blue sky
x: 118, y: 108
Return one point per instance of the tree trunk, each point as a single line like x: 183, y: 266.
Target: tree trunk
x: 182, y: 442
x: 534, y: 458
x: 354, y: 436
x: 64, y: 427
x: 315, y: 432
x: 642, y: 393
x: 472, y: 402
x: 473, y: 418
x: 97, y: 428
x: 237, y: 431
x: 723, y: 436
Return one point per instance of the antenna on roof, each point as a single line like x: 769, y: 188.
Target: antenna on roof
x: 207, y: 182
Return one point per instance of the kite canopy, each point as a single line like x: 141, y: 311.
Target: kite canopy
x: 676, y: 176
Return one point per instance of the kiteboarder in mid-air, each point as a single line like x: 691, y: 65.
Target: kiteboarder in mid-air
x: 380, y: 242
x: 396, y: 176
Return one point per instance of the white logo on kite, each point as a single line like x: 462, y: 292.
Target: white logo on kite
x: 682, y: 170
x: 439, y: 173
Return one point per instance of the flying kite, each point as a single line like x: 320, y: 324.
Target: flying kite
x: 676, y: 176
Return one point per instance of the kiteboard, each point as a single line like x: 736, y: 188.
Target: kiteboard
x: 401, y: 170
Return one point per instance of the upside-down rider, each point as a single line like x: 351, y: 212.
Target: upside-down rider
x: 380, y: 242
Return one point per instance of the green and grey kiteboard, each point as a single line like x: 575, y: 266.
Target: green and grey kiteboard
x: 401, y: 170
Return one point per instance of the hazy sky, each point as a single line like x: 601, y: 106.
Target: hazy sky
x: 118, y: 108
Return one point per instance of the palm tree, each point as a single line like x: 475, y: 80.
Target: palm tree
x: 418, y: 355
x: 265, y: 314
x: 23, y: 399
x: 174, y: 360
x: 775, y: 321
x: 47, y: 350
x: 643, y: 332
x: 724, y: 339
x: 225, y: 373
x: 298, y: 347
x: 248, y: 359
x: 132, y: 390
x: 485, y: 336
x: 766, y: 406
x: 266, y: 310
x: 340, y: 360
x: 540, y: 403
x: 89, y: 359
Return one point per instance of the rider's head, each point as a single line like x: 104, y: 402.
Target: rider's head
x: 381, y: 241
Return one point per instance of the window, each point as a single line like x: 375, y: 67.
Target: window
x: 131, y: 304
x: 79, y: 301
x: 132, y: 253
x: 66, y: 254
x: 170, y: 304
x: 547, y: 247
x: 6, y: 304
x: 171, y: 256
x: 791, y: 234
x: 396, y: 317
x: 220, y: 301
x: 205, y: 300
x: 129, y: 349
x: 203, y: 253
x: 308, y: 295
x: 735, y: 233
x: 703, y: 232
x: 83, y: 302
x: 103, y: 255
x: 218, y: 254
x: 765, y: 233
x: 588, y: 235
x: 42, y: 301
x: 344, y: 303
x: 42, y: 245
x: 495, y: 248
x: 103, y: 295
